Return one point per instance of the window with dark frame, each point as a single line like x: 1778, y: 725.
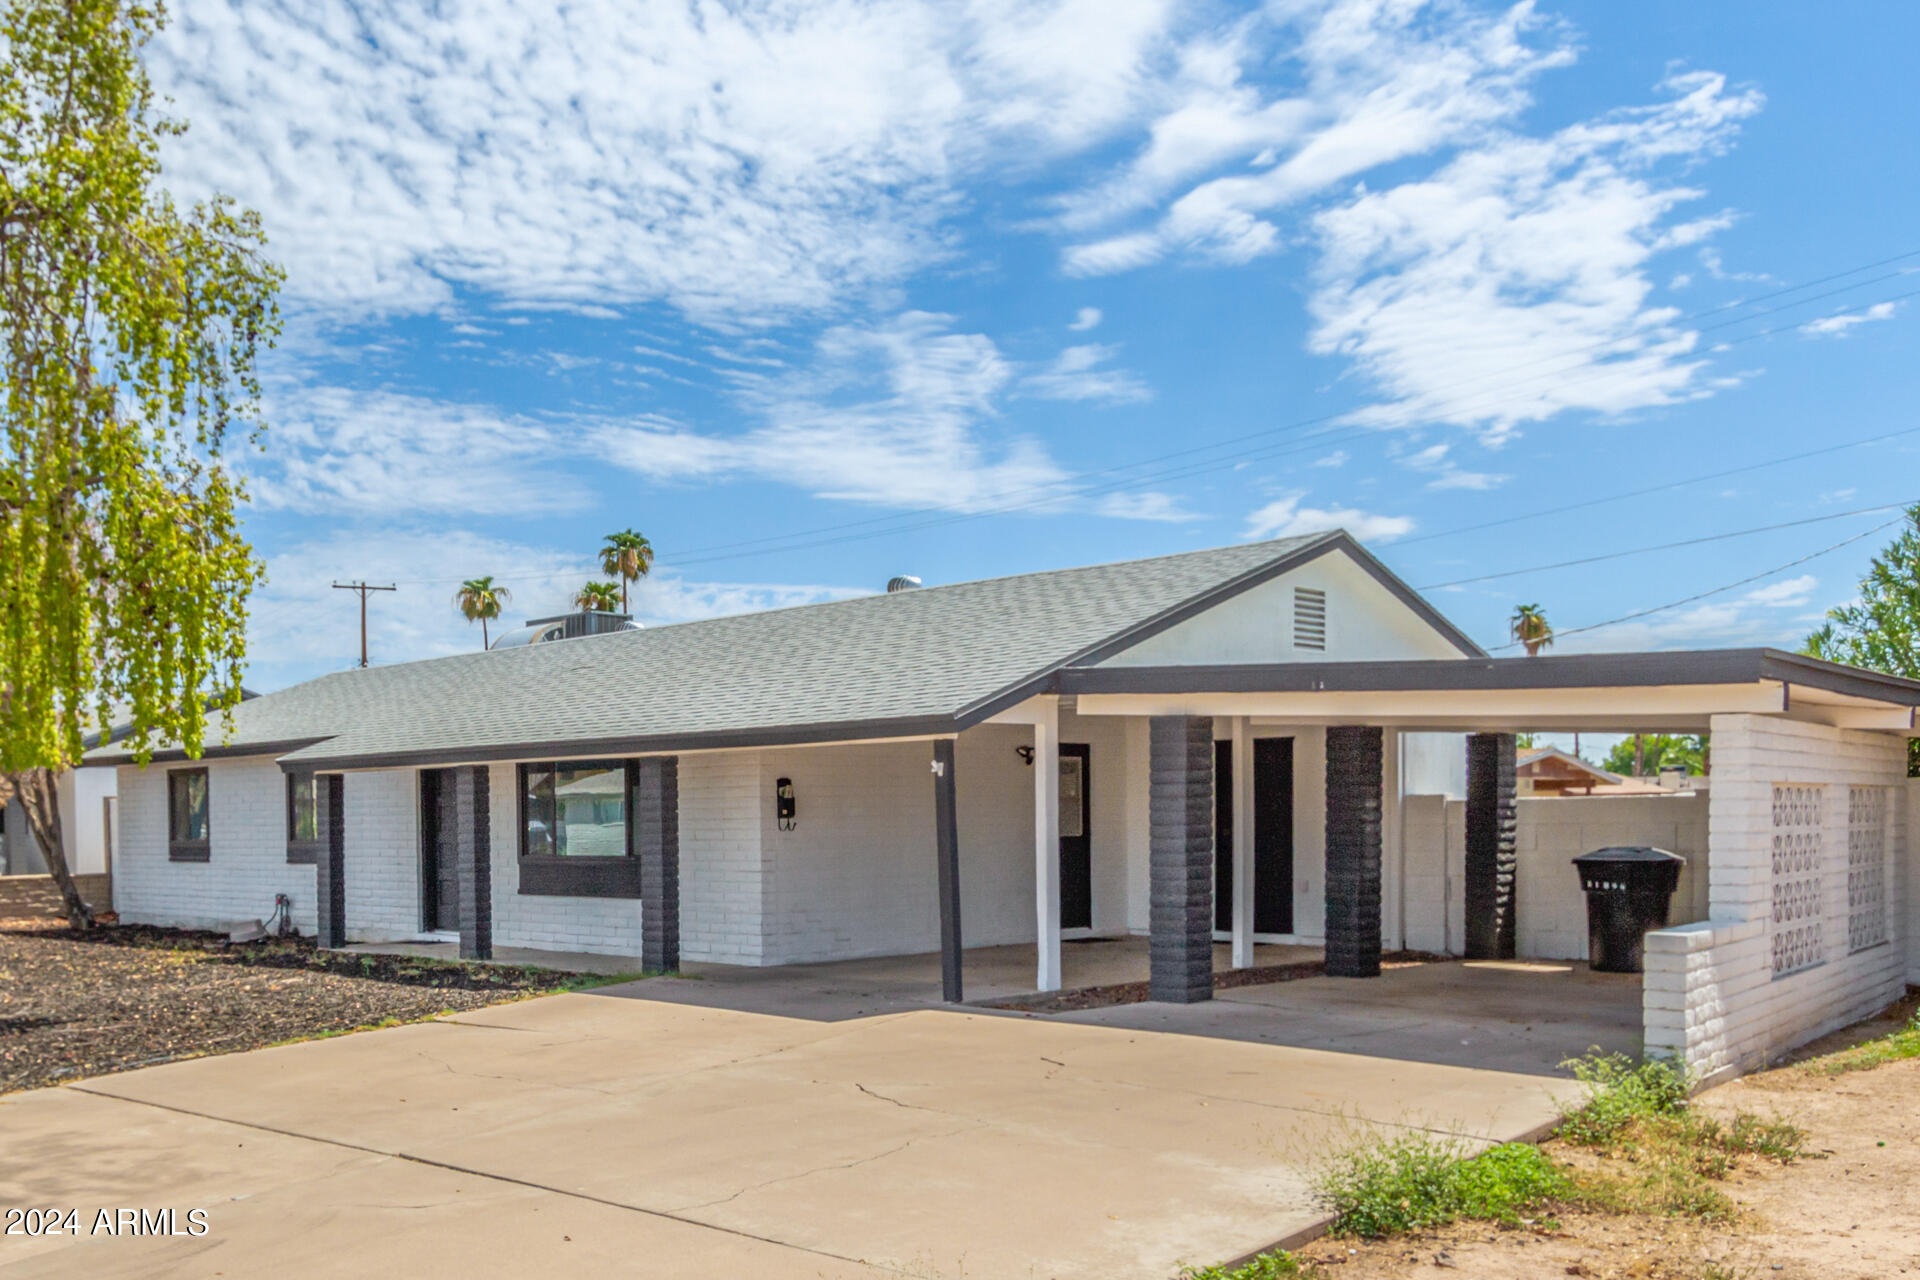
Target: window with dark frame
x: 188, y: 828
x: 576, y: 829
x: 303, y: 818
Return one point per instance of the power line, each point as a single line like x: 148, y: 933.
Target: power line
x: 1668, y: 546
x: 1662, y: 608
x: 363, y: 589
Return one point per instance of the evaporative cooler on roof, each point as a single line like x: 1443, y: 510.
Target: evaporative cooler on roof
x: 1309, y: 618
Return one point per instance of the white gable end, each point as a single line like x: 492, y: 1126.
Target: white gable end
x: 1364, y: 622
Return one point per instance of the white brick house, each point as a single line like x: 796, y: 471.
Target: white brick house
x: 1028, y: 759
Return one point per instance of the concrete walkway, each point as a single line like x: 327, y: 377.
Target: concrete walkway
x: 591, y: 1133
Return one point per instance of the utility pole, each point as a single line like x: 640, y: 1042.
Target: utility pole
x: 362, y: 588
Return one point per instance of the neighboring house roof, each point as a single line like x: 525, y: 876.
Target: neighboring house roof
x: 933, y: 660
x: 1534, y: 761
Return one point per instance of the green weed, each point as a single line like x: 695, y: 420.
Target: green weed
x: 1419, y: 1180
x: 1278, y: 1265
x: 1893, y: 1047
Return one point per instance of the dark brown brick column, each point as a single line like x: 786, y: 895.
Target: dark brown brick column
x: 1180, y: 858
x: 330, y: 870
x: 656, y: 833
x: 1492, y: 857
x: 1354, y: 776
x: 473, y: 846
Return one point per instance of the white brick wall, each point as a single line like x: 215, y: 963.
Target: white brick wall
x: 1552, y: 919
x: 1710, y: 994
x: 723, y: 871
x: 247, y: 851
x: 382, y: 855
x: 1912, y: 882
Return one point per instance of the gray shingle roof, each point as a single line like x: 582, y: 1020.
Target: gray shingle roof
x: 924, y: 661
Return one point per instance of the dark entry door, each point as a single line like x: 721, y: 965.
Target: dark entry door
x: 439, y: 863
x: 1076, y: 839
x: 1272, y: 835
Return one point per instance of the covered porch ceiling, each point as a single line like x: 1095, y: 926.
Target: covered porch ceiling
x: 1675, y: 692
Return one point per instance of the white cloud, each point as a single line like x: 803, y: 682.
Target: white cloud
x: 1086, y: 318
x: 1338, y: 458
x: 900, y: 414
x: 740, y: 162
x: 1791, y: 593
x: 1512, y: 285
x: 300, y: 627
x: 332, y: 449
x: 1078, y: 373
x: 1837, y: 326
x: 1446, y: 473
x: 1378, y: 81
x: 1284, y: 518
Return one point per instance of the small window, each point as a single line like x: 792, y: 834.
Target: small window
x: 303, y: 817
x: 188, y: 830
x: 1309, y: 618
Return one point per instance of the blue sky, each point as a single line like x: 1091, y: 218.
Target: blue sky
x: 814, y: 294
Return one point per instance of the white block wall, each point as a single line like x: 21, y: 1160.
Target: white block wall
x: 723, y: 871
x: 381, y: 851
x: 1710, y: 995
x: 603, y: 926
x: 1913, y: 882
x: 247, y: 851
x: 1550, y: 833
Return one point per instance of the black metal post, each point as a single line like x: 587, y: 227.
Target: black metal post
x: 946, y: 824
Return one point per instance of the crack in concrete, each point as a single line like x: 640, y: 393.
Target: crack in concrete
x: 664, y: 1214
x: 827, y: 1168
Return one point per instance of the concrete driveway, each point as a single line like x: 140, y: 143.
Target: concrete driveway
x: 590, y: 1132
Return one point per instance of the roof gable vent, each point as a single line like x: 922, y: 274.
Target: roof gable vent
x: 1309, y: 618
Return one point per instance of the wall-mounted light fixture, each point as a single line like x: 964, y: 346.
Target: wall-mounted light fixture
x: 784, y: 806
x: 1025, y: 753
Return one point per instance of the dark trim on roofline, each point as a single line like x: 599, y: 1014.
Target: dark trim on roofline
x: 225, y: 751
x: 1047, y: 680
x: 1567, y: 671
x: 800, y: 735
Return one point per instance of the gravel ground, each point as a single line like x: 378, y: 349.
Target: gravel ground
x: 130, y: 996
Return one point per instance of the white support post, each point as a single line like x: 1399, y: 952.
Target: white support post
x: 1046, y: 845
x: 1243, y: 846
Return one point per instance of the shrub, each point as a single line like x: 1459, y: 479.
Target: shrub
x: 1278, y: 1265
x: 1621, y: 1094
x: 1419, y: 1180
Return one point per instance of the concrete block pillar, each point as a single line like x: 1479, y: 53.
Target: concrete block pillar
x: 1355, y: 763
x: 1180, y: 858
x: 656, y: 836
x: 1492, y: 856
x: 330, y: 868
x: 473, y: 847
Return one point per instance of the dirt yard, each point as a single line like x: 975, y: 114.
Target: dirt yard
x: 122, y: 997
x: 1851, y: 1212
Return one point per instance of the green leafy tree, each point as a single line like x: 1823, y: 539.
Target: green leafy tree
x: 626, y: 555
x: 479, y: 600
x: 1529, y: 627
x: 1881, y: 629
x: 1660, y: 749
x: 602, y: 597
x: 130, y: 334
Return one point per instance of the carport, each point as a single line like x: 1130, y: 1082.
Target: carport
x: 1808, y: 852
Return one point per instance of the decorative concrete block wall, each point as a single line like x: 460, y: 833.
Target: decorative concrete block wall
x: 1788, y: 955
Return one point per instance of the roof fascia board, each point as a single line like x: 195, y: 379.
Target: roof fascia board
x: 1465, y: 705
x: 1798, y: 668
x: 176, y: 755
x: 843, y: 732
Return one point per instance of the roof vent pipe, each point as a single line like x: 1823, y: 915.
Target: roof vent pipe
x: 902, y: 582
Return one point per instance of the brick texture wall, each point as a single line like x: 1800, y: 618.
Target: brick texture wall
x: 247, y: 860
x: 602, y: 926
x: 1711, y: 994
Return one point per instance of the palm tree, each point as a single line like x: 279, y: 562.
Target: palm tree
x: 1531, y: 628
x: 601, y: 597
x: 626, y: 555
x: 480, y: 601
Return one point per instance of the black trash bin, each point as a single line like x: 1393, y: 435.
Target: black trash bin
x: 1629, y: 888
